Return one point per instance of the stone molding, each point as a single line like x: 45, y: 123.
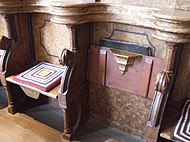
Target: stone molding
x: 169, y: 24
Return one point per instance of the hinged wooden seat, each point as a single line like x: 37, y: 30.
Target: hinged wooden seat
x: 53, y: 93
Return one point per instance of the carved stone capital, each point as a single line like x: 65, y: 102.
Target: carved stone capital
x: 172, y: 26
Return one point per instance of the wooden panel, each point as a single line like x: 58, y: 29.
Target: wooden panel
x: 127, y: 82
x: 20, y: 128
x: 97, y: 65
x: 182, y: 81
x: 21, y: 57
x: 102, y: 66
x: 146, y: 74
x: 158, y: 65
x: 139, y: 79
x: 93, y: 63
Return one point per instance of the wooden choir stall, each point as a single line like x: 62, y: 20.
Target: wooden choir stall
x: 117, y: 62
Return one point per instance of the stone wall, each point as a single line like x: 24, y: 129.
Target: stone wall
x: 49, y: 42
x: 146, y: 3
x: 3, y: 29
x: 119, y: 109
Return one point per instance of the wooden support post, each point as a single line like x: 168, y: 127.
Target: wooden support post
x: 5, y: 45
x: 67, y: 128
x: 11, y: 106
x: 162, y: 91
x: 66, y: 59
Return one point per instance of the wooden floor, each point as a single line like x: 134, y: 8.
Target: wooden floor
x: 45, y: 124
x: 22, y: 128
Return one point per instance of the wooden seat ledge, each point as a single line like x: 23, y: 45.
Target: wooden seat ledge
x: 53, y: 93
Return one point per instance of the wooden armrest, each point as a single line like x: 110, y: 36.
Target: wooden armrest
x: 67, y: 60
x: 65, y: 81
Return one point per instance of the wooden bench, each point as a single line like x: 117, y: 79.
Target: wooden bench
x: 18, y: 54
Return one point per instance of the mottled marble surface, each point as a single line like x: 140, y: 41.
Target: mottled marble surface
x: 119, y: 109
x: 104, y: 30
x: 147, y: 3
x: 3, y: 25
x: 183, y: 4
x: 54, y: 38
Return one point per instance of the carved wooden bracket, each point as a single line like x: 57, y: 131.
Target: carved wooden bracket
x: 66, y: 59
x: 124, y: 59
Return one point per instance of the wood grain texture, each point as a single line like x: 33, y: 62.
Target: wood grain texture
x: 22, y: 57
x: 22, y: 53
x: 164, y: 84
x: 24, y: 128
x: 97, y: 59
x: 134, y: 76
x: 53, y: 93
x: 182, y: 89
x: 93, y: 64
x: 141, y: 72
x: 76, y: 111
x: 102, y: 67
x: 146, y: 74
